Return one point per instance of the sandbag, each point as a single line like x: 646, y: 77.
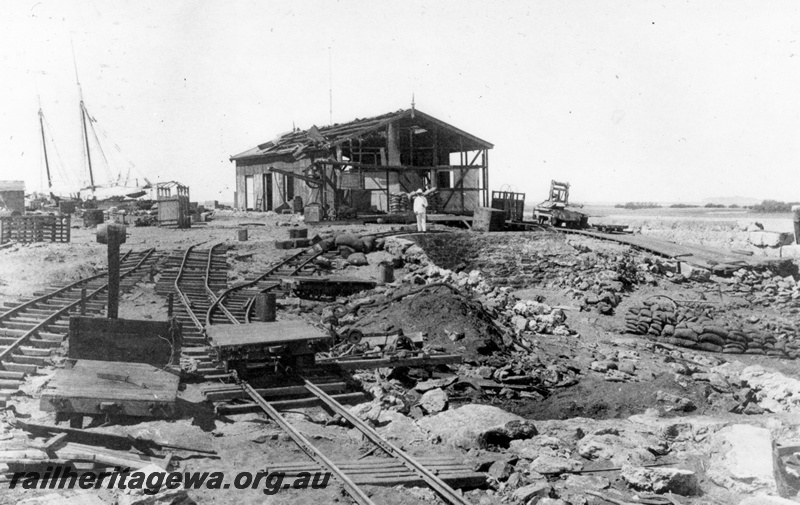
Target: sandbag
x: 357, y: 259
x: 711, y: 338
x: 345, y: 251
x: 716, y: 330
x: 705, y: 346
x: 685, y: 333
x: 369, y: 244
x: 351, y: 241
x: 326, y: 244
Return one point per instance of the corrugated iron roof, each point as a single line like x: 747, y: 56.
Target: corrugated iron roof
x: 328, y: 136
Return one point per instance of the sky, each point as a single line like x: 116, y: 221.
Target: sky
x: 627, y: 100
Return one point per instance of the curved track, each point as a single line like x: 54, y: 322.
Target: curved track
x: 236, y: 303
x: 202, y: 273
x: 196, y: 291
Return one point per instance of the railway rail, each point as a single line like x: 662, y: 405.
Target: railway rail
x: 195, y: 286
x: 32, y: 327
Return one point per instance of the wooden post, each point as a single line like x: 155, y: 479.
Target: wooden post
x: 112, y: 235
x: 83, y: 301
x: 113, y: 276
x: 170, y: 304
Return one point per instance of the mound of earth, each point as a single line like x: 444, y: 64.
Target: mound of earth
x: 449, y: 321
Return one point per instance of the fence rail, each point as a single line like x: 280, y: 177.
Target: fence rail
x: 34, y: 229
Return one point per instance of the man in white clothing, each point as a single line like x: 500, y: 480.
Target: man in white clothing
x: 421, y: 209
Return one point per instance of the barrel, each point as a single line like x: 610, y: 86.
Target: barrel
x: 796, y: 215
x: 298, y: 233
x: 385, y: 273
x: 92, y: 217
x: 265, y: 307
x: 243, y: 235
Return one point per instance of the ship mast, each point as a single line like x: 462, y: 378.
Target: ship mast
x: 84, y: 117
x: 44, y: 147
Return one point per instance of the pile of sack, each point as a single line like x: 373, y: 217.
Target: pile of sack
x: 694, y: 328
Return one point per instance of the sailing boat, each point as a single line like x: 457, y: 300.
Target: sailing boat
x: 118, y: 188
x: 63, y: 189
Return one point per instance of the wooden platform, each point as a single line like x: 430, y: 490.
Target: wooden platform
x: 110, y: 387
x: 225, y: 336
x: 715, y: 259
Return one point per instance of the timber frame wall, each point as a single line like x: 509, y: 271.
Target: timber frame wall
x: 367, y: 162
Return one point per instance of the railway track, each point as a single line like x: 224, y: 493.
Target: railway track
x: 237, y: 301
x: 235, y: 304
x: 194, y: 285
x: 32, y: 328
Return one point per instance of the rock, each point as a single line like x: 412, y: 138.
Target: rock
x: 415, y: 254
x: 477, y: 426
x: 534, y: 447
x: 769, y: 238
x: 742, y: 459
x: 519, y: 322
x: 697, y: 274
x: 587, y: 482
x: 435, y: 383
x: 551, y: 501
x: 603, y: 366
x: 546, y: 464
x: 753, y: 409
x: 661, y: 480
x: 526, y: 493
x: 675, y: 402
x: 626, y: 367
x: 719, y: 382
x: 398, y: 428
x: 433, y: 401
x: 500, y: 470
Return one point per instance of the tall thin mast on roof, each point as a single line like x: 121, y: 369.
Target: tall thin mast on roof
x: 84, y: 117
x: 44, y: 147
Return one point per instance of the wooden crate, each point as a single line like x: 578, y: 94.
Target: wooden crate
x: 35, y: 228
x: 85, y: 389
x: 173, y: 212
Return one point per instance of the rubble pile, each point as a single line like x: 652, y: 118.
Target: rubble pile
x: 596, y: 279
x: 696, y: 328
x: 472, y: 312
x: 765, y: 287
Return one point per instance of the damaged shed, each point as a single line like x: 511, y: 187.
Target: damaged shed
x: 366, y: 165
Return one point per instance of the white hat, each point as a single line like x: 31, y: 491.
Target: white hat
x: 419, y: 191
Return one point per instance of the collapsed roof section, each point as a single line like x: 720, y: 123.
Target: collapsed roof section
x: 318, y: 141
